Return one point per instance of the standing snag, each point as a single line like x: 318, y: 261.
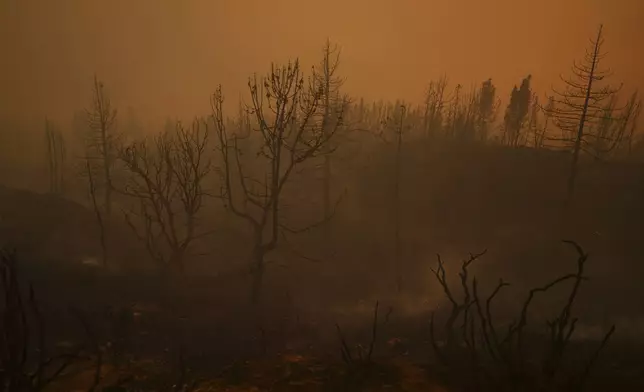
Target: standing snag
x: 516, y: 113
x: 26, y: 363
x: 56, y: 157
x: 583, y: 104
x: 488, y: 106
x: 512, y: 355
x: 167, y: 176
x: 286, y: 111
x: 332, y: 105
x: 98, y: 213
x: 101, y: 141
x: 397, y: 175
x: 434, y: 106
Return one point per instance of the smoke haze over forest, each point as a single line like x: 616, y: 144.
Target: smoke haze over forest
x: 164, y: 58
x: 346, y: 228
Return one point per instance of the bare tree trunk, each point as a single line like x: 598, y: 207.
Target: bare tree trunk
x: 288, y: 141
x: 55, y: 158
x: 633, y: 125
x: 99, y: 216
x: 327, y: 194
x: 167, y: 179
x: 327, y: 147
x: 580, y: 132
x: 51, y: 156
x: 108, y: 186
x: 101, y: 119
x: 106, y: 169
x: 397, y: 244
x: 330, y: 84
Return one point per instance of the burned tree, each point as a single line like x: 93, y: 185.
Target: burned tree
x: 630, y: 119
x: 56, y: 156
x: 468, y: 116
x: 469, y: 113
x: 101, y: 140
x: 542, y: 133
x: 461, y: 116
x: 397, y: 175
x: 102, y: 232
x: 516, y: 113
x: 289, y: 124
x: 454, y: 113
x: 581, y: 104
x: 434, y: 106
x: 533, y: 128
x: 613, y: 134
x: 487, y: 109
x: 332, y: 105
x: 26, y: 363
x: 167, y: 176
x: 397, y: 123
x: 512, y: 355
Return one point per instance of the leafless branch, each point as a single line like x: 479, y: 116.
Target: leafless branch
x: 167, y: 180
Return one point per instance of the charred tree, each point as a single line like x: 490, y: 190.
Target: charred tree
x: 454, y: 115
x: 630, y: 119
x: 397, y: 168
x: 101, y: 141
x: 98, y: 213
x: 56, y: 157
x: 332, y: 105
x: 395, y: 122
x: 488, y: 106
x: 582, y: 104
x: 616, y: 131
x: 289, y: 119
x: 434, y: 107
x: 167, y: 176
x: 517, y: 112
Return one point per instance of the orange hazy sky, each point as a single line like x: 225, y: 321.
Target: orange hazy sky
x: 164, y: 57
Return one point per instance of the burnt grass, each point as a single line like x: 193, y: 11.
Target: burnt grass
x: 202, y: 332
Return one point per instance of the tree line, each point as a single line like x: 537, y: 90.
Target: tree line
x: 295, y: 119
